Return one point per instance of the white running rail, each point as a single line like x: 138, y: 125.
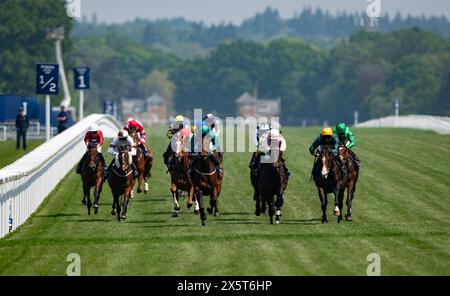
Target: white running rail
x: 437, y: 124
x: 27, y: 182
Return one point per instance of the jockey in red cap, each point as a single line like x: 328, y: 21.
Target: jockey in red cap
x: 135, y: 126
x: 94, y: 136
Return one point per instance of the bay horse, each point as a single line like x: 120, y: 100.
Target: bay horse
x: 179, y: 175
x: 352, y: 175
x: 272, y: 182
x: 206, y: 181
x: 143, y: 165
x: 329, y: 179
x: 121, y: 181
x: 92, y: 176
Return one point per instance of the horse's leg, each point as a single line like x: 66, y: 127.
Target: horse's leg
x: 190, y: 197
x: 89, y: 203
x: 146, y: 176
x: 126, y: 197
x: 202, y: 209
x: 258, y: 203
x: 175, y: 196
x: 278, y: 204
x: 271, y: 204
x: 337, y: 212
x: 140, y: 179
x: 323, y: 204
x: 340, y: 203
x: 350, y: 194
x: 215, y: 199
x: 197, y: 207
x: 98, y: 189
x: 118, y: 206
x: 114, y: 206
x: 83, y: 201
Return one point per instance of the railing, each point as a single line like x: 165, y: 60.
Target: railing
x: 35, y: 131
x: 437, y: 124
x: 27, y: 182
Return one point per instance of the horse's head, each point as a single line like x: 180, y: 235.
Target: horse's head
x: 326, y: 158
x: 343, y: 152
x: 124, y: 160
x: 93, y: 155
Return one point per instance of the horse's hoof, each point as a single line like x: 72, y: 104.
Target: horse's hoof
x: 203, y: 223
x: 278, y: 213
x: 339, y: 219
x: 263, y: 210
x: 175, y: 214
x: 258, y: 212
x: 83, y: 201
x: 196, y: 212
x: 96, y: 211
x: 95, y: 206
x: 277, y: 221
x: 209, y: 210
x: 139, y: 191
x: 177, y: 209
x: 113, y: 212
x: 146, y: 188
x: 216, y: 213
x: 189, y: 205
x: 124, y: 217
x: 348, y: 218
x: 324, y: 221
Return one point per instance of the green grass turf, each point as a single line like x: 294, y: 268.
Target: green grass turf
x: 400, y: 211
x: 9, y: 154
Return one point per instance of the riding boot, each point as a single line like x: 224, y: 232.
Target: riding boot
x: 252, y: 161
x: 144, y: 151
x: 135, y: 170
x: 356, y: 159
x: 288, y: 173
x: 81, y: 163
x: 103, y: 161
x: 167, y: 154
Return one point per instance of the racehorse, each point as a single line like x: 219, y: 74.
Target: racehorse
x: 353, y: 175
x: 143, y: 165
x: 92, y: 176
x: 121, y: 181
x: 329, y: 179
x: 180, y: 179
x: 272, y: 181
x: 254, y: 178
x: 206, y: 181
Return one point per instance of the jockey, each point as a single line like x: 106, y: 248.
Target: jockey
x: 195, y: 146
x: 275, y: 134
x: 134, y: 125
x: 261, y: 131
x: 121, y: 142
x: 175, y: 126
x: 347, y: 138
x: 212, y: 122
x: 327, y: 137
x: 93, y: 136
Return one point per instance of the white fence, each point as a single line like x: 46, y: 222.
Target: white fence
x: 437, y: 124
x: 25, y: 183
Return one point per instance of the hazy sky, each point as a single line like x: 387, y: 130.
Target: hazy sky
x: 216, y: 11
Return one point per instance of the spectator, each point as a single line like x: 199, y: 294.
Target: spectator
x: 22, y: 125
x: 63, y: 118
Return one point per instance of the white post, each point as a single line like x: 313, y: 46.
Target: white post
x: 81, y: 104
x: 356, y: 117
x: 47, y: 117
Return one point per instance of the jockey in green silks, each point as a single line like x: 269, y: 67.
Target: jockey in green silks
x: 347, y: 139
x: 214, y: 144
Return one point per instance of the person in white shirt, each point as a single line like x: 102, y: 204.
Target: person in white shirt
x: 119, y: 143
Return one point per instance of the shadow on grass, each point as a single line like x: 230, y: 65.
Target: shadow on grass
x: 302, y: 221
x: 58, y: 215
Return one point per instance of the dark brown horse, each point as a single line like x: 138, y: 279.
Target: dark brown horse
x: 206, y: 181
x: 180, y: 179
x: 353, y: 175
x: 143, y: 165
x: 272, y: 182
x: 329, y: 179
x: 254, y: 178
x: 92, y: 176
x: 121, y: 181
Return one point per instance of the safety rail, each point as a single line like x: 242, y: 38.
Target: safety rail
x: 25, y: 183
x: 437, y: 124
